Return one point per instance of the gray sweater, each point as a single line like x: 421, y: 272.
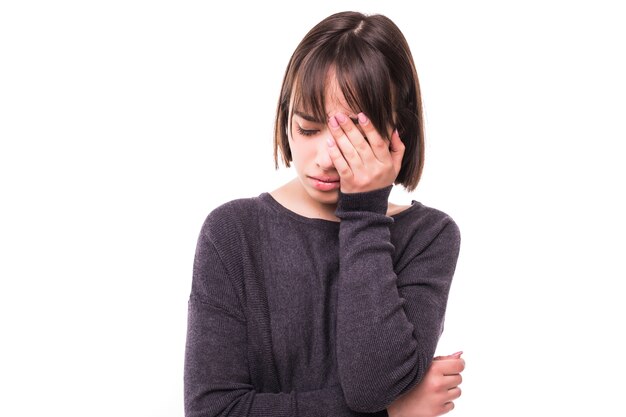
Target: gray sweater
x: 295, y: 316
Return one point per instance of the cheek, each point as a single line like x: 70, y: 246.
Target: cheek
x: 302, y: 149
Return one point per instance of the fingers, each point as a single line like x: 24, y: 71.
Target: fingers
x: 378, y: 144
x: 397, y: 151
x: 341, y: 165
x: 453, y: 394
x: 455, y: 355
x: 452, y: 380
x: 453, y: 391
x: 456, y: 366
x: 449, y: 366
x: 363, y: 165
x: 353, y: 143
x: 447, y: 407
x: 346, y: 136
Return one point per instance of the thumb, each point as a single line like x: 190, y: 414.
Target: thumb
x: 396, y: 149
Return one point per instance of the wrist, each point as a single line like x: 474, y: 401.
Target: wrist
x: 372, y: 201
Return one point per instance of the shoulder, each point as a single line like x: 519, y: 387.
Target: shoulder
x: 231, y: 219
x: 424, y: 217
x: 421, y: 225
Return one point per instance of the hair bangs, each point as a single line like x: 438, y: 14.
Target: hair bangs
x: 364, y: 81
x: 309, y: 86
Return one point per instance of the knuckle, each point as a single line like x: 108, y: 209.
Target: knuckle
x: 441, y: 385
x: 351, y: 154
x: 436, y: 384
x: 370, y: 127
x: 445, y: 408
x: 362, y: 146
x: 380, y: 144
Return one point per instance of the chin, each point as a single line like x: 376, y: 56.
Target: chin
x: 325, y: 197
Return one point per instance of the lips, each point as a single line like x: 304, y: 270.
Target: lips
x: 326, y: 179
x: 325, y: 183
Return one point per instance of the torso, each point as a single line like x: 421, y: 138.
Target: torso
x: 287, y: 268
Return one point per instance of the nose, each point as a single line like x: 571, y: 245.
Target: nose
x: 322, y: 157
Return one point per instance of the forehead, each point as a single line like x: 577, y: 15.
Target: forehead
x: 334, y: 102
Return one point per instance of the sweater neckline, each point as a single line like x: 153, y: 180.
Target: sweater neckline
x: 268, y: 198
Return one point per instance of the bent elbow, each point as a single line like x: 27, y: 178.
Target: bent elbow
x: 366, y: 401
x: 380, y: 392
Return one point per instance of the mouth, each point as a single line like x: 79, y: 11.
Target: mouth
x: 326, y: 179
x: 325, y: 183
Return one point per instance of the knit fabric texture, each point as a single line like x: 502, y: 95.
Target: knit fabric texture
x: 295, y: 316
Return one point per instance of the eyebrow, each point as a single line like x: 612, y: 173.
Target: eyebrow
x: 313, y: 119
x: 307, y: 117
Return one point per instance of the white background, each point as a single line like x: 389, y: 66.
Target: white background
x: 123, y: 123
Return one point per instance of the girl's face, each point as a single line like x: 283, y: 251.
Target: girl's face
x: 309, y: 147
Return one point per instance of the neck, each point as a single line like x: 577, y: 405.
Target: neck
x: 307, y: 205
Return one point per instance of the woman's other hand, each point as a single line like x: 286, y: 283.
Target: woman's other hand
x: 434, y: 395
x: 364, y: 159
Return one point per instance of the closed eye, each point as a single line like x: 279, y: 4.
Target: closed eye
x: 307, y: 132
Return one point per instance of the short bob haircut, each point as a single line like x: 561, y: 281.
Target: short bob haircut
x: 376, y: 74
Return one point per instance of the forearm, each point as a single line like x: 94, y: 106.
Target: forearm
x: 216, y: 379
x: 377, y: 353
x: 249, y: 403
x: 388, y: 325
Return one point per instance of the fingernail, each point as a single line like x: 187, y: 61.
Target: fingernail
x: 457, y: 354
x: 333, y: 122
x: 395, y: 132
x: 362, y: 118
x: 340, y: 118
x: 330, y: 142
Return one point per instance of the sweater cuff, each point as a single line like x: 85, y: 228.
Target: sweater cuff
x: 375, y: 201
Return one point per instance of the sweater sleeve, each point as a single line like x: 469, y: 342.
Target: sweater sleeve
x: 388, y: 325
x: 216, y: 376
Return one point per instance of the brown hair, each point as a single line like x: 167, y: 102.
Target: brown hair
x: 376, y: 74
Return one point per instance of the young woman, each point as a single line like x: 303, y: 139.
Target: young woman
x: 321, y: 298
